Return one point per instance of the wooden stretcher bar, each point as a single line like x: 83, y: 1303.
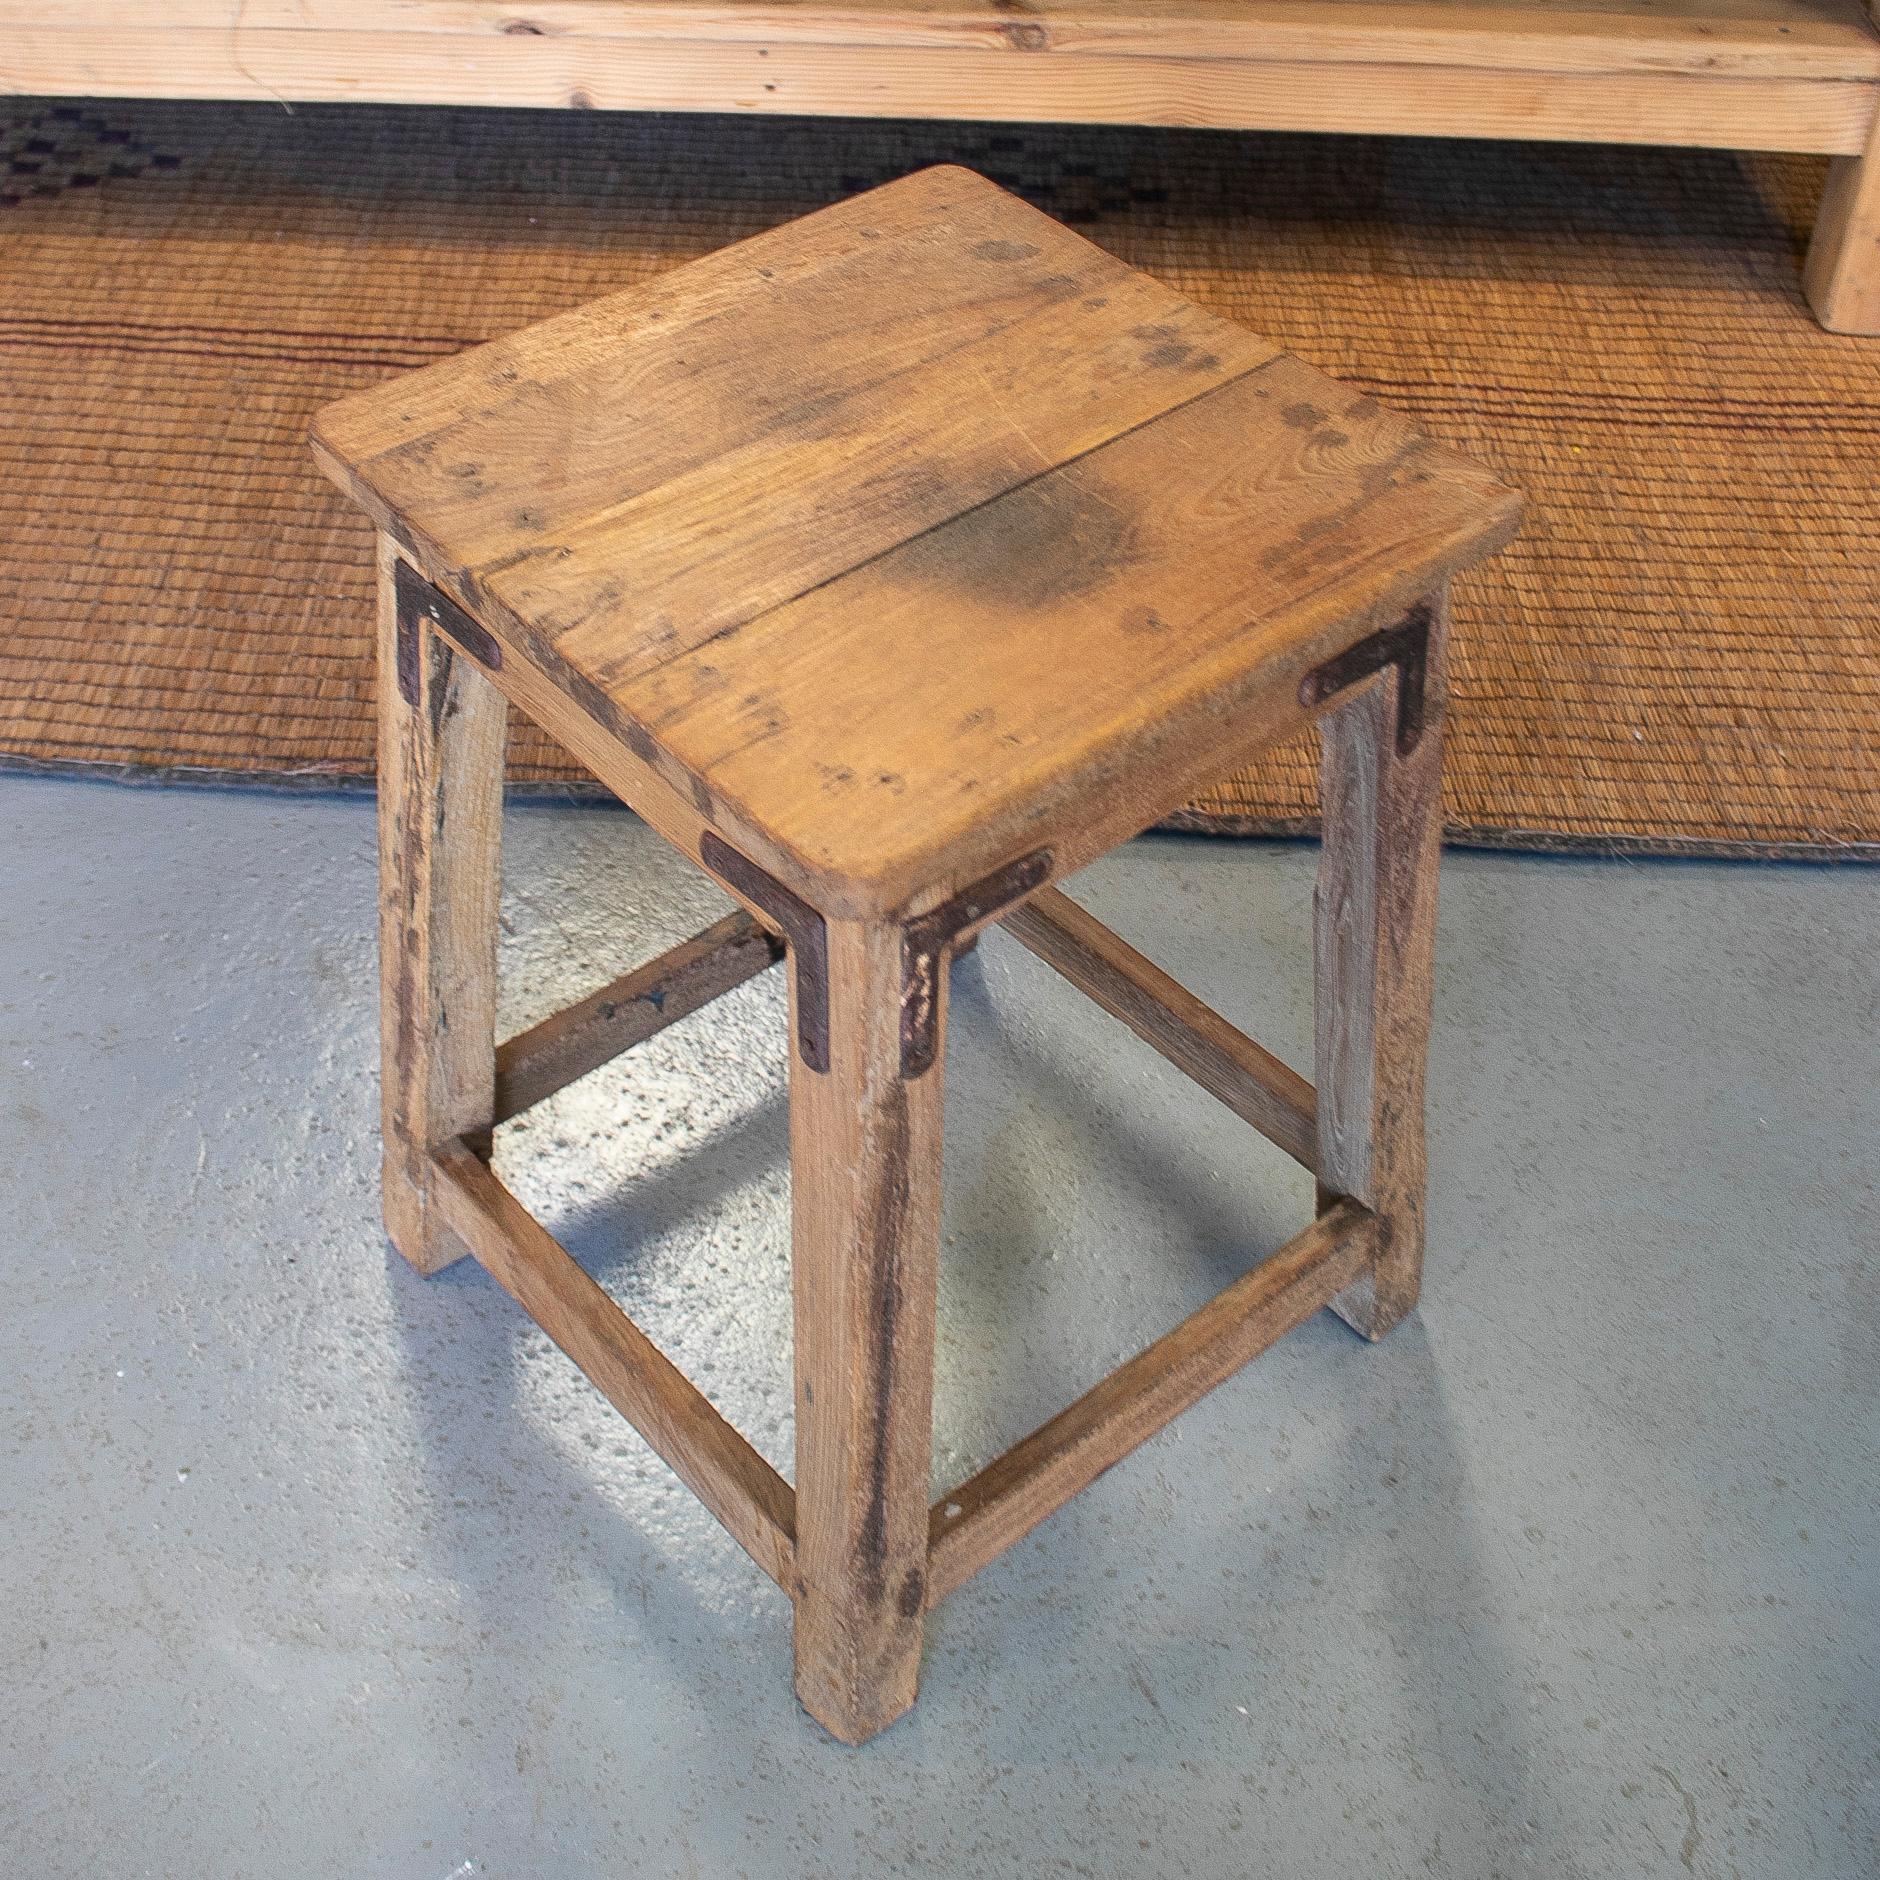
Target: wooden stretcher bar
x: 755, y: 1504
x: 637, y: 1006
x: 1225, y: 1062
x: 1009, y: 1497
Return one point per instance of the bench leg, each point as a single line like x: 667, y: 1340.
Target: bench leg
x: 865, y: 1181
x: 1374, y: 927
x: 1841, y: 276
x: 441, y: 727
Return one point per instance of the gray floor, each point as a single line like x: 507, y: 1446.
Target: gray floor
x: 312, y: 1567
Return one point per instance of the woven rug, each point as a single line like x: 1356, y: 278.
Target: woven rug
x: 1682, y: 652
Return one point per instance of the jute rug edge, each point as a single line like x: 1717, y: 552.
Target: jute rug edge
x: 1610, y: 847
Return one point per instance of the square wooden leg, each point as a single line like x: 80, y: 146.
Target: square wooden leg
x: 1841, y: 276
x: 865, y: 1173
x: 441, y: 728
x: 1380, y: 787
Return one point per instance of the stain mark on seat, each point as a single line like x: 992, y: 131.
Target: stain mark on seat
x: 1039, y: 545
x: 1004, y: 251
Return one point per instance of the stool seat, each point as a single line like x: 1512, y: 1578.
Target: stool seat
x: 908, y: 534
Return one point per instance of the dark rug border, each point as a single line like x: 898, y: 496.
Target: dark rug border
x: 314, y: 780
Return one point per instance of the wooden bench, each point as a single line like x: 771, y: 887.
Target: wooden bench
x: 1798, y: 75
x: 893, y: 564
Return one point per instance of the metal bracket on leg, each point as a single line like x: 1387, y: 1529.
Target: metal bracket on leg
x: 925, y: 940
x: 804, y: 932
x: 419, y: 601
x: 1405, y: 646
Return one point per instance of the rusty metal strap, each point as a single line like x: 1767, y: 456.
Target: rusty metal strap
x: 804, y: 933
x: 1405, y: 646
x: 926, y: 940
x: 420, y: 604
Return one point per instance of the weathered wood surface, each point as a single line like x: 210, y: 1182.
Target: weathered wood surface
x: 1374, y: 926
x: 1745, y: 74
x: 1223, y: 1060
x: 441, y: 729
x: 1032, y: 1480
x: 1408, y: 99
x: 722, y: 1469
x: 865, y: 1249
x: 1034, y: 463
x: 582, y: 1037
x: 1791, y: 38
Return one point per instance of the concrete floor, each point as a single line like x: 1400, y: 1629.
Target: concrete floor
x: 312, y: 1567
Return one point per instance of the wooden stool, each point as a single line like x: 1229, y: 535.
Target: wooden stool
x: 892, y: 565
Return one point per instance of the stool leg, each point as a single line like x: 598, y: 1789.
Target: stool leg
x: 1374, y: 924
x: 865, y: 1175
x: 441, y: 729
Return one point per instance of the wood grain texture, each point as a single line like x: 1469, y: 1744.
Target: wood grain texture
x: 815, y: 528
x: 838, y: 384
x: 1374, y: 927
x: 1406, y: 99
x: 1135, y: 546
x: 1794, y: 38
x: 752, y: 1500
x: 582, y: 1037
x: 865, y: 1196
x: 911, y: 724
x: 1032, y: 1480
x: 1224, y: 1061
x: 440, y: 817
x: 1841, y: 276
x: 1750, y: 74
